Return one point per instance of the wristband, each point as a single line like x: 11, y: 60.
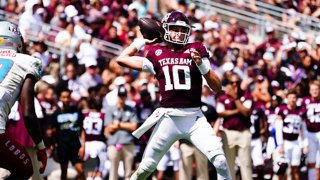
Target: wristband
x: 139, y: 43
x: 40, y: 145
x: 203, y: 68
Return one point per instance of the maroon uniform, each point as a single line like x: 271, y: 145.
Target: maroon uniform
x: 292, y: 121
x: 258, y: 114
x: 179, y: 78
x: 312, y: 108
x: 93, y: 124
x: 236, y: 122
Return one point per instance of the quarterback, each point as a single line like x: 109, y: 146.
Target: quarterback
x: 179, y: 67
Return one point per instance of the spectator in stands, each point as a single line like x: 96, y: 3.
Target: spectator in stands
x: 112, y: 36
x: 132, y: 18
x: 59, y: 18
x: 12, y: 6
x: 95, y: 10
x: 117, y: 9
x: 239, y: 34
x: 31, y: 21
x: 103, y: 32
x: 66, y: 38
x: 51, y: 9
x: 234, y: 106
x: 272, y: 44
x: 71, y: 81
x: 53, y: 74
x: 111, y: 97
x: 91, y: 77
x: 260, y: 92
x: 86, y: 50
x: 123, y: 29
x: 67, y: 128
x: 121, y: 120
x: 81, y: 30
x: 140, y: 6
x: 192, y: 13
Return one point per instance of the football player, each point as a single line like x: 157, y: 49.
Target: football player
x: 312, y: 105
x: 95, y: 146
x: 18, y: 74
x: 257, y: 129
x: 179, y: 67
x: 289, y: 124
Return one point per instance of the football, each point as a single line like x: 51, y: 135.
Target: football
x: 150, y: 28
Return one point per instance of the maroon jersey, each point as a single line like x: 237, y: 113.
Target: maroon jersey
x: 93, y: 124
x: 292, y: 121
x: 312, y: 108
x: 179, y: 78
x: 238, y: 121
x: 257, y: 115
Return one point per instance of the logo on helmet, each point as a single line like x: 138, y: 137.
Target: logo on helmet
x: 13, y: 28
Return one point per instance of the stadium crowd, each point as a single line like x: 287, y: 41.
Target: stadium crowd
x: 274, y: 76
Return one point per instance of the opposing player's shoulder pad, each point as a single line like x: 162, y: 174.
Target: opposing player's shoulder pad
x: 35, y: 65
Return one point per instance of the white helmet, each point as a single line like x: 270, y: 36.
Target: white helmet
x: 10, y: 36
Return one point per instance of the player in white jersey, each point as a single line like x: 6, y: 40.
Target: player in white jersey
x: 18, y: 75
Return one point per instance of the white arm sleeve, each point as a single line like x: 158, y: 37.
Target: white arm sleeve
x: 279, y: 135
x: 147, y: 66
x: 206, y: 61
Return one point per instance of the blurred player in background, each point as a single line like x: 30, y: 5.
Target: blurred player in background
x: 289, y: 126
x: 179, y: 67
x: 18, y: 75
x: 312, y: 105
x: 95, y: 146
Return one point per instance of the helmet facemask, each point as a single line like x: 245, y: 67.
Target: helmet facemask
x: 176, y: 22
x: 185, y: 33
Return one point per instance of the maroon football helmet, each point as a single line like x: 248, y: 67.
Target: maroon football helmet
x: 176, y: 19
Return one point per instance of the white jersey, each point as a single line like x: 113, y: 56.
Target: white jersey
x: 14, y: 67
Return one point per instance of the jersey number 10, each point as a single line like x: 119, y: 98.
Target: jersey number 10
x: 176, y: 81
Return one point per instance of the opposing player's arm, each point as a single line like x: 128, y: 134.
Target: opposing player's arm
x: 28, y: 109
x: 31, y: 121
